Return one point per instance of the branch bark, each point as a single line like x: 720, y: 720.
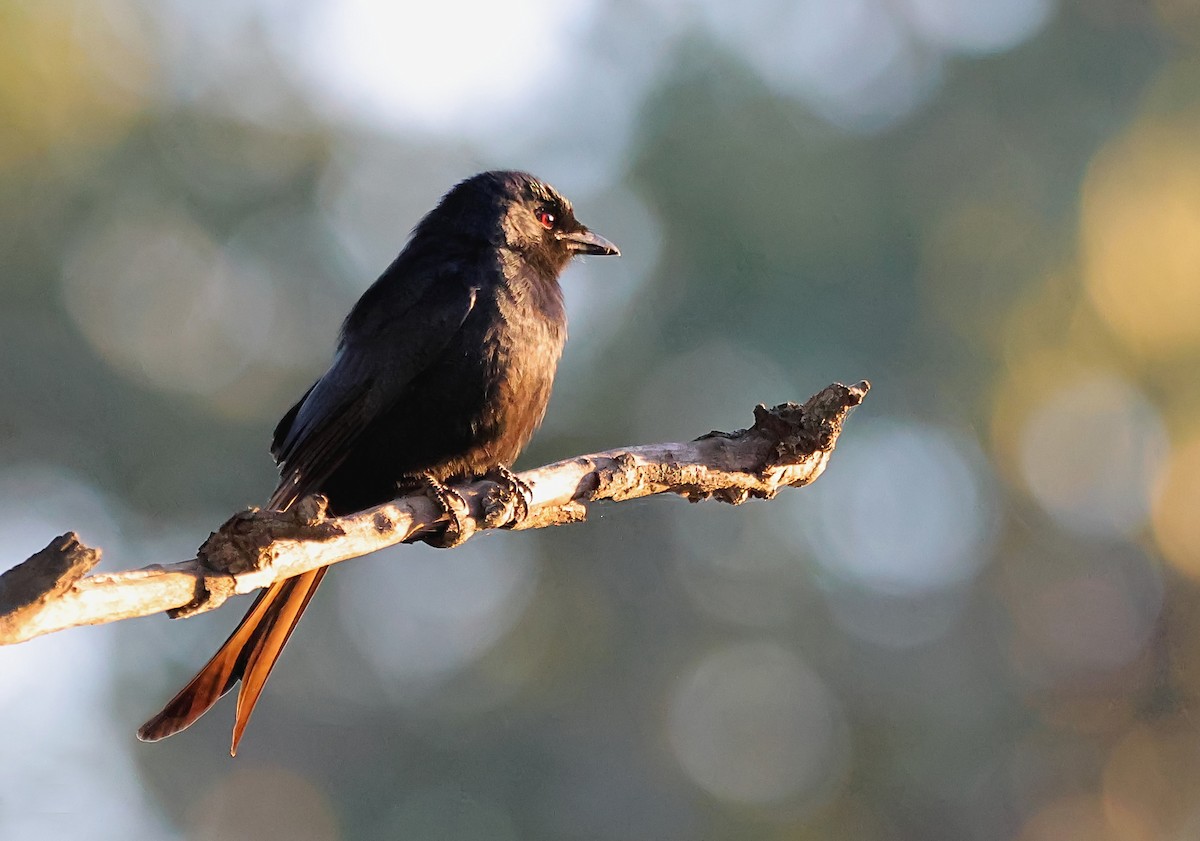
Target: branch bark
x: 788, y: 446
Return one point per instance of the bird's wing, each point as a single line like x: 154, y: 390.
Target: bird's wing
x: 374, y: 365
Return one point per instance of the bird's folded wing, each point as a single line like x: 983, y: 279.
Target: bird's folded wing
x: 314, y: 437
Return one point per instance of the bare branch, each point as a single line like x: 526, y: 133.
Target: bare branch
x: 788, y: 446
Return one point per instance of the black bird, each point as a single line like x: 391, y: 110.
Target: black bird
x: 442, y: 372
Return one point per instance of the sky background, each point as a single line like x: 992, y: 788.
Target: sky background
x: 980, y: 623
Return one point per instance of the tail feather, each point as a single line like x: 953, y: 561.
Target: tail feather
x: 265, y: 648
x: 217, y: 677
x: 250, y: 652
x: 248, y: 655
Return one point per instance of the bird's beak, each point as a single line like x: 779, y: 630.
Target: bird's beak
x: 584, y: 241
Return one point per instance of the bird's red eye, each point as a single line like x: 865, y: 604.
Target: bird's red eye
x: 546, y: 218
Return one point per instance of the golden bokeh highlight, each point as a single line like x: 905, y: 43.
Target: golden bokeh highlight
x: 1140, y: 238
x: 1176, y: 513
x: 1033, y: 376
x: 1090, y: 454
x: 1050, y: 340
x: 1055, y: 410
x: 1151, y: 783
x: 57, y: 77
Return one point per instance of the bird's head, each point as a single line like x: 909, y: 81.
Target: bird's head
x: 515, y: 211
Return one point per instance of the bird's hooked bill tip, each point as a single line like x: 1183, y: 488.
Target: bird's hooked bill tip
x: 587, y: 242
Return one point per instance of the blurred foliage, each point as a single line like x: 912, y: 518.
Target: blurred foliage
x: 979, y: 624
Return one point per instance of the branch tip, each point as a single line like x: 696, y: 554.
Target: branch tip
x: 48, y: 574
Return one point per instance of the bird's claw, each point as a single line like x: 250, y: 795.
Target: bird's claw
x: 507, y: 504
x: 459, y: 524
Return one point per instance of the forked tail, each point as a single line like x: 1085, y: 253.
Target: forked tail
x: 248, y: 655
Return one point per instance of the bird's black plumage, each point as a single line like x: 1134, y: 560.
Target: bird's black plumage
x: 443, y: 369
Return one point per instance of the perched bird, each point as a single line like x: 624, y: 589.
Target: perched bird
x: 443, y: 371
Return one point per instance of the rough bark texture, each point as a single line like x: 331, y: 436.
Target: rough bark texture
x: 788, y: 446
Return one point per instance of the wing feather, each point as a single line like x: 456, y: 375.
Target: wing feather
x: 373, y: 368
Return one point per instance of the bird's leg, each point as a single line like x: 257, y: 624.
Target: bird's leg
x: 508, y: 504
x: 460, y: 525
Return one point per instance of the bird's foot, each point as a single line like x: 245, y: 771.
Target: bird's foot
x: 459, y: 526
x: 507, y: 504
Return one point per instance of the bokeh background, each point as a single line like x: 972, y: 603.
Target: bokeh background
x: 982, y: 623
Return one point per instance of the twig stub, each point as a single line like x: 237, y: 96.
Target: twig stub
x: 245, y: 541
